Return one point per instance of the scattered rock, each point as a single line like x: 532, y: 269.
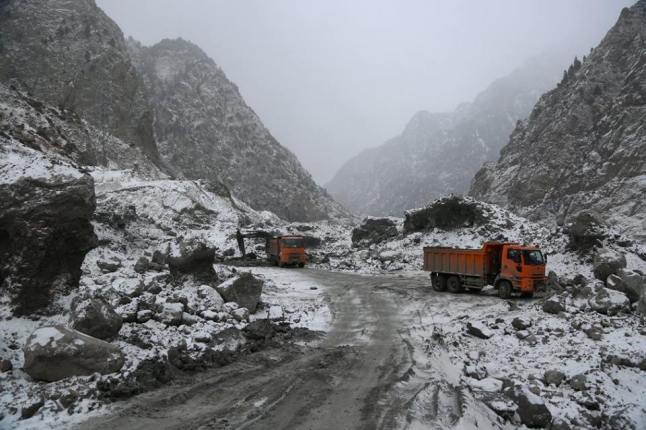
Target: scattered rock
x: 241, y: 314
x: 374, y: 230
x: 262, y: 330
x: 108, y: 266
x: 478, y: 329
x: 56, y: 352
x: 607, y: 262
x: 593, y: 332
x: 578, y: 382
x: 5, y: 365
x: 144, y: 315
x: 95, y: 317
x: 31, y: 410
x: 149, y: 374
x: 160, y: 257
x: 245, y: 290
x: 520, y: 323
x: 171, y: 313
x: 552, y: 306
x: 531, y: 408
x: 553, y: 377
x: 210, y: 298
x: 142, y: 265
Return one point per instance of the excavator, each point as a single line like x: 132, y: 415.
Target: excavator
x: 281, y: 250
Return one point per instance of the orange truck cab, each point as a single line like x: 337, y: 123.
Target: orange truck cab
x: 286, y: 250
x: 509, y: 267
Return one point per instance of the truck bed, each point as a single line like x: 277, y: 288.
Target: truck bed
x: 466, y: 262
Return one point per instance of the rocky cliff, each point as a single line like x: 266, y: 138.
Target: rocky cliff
x: 205, y: 130
x: 584, y: 145
x: 438, y: 153
x: 71, y: 55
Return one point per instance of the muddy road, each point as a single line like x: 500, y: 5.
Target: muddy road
x: 371, y: 370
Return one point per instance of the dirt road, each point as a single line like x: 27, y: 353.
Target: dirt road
x: 364, y: 374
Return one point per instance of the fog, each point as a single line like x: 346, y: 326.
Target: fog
x: 330, y: 78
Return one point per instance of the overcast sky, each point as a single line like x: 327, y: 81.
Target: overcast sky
x: 332, y: 77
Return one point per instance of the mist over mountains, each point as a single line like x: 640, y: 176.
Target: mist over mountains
x: 438, y: 153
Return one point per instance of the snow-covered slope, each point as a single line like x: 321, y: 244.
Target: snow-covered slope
x: 438, y: 153
x: 584, y: 144
x: 206, y: 131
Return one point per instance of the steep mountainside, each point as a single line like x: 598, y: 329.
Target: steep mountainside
x: 53, y: 130
x: 70, y: 54
x: 206, y: 130
x: 438, y: 154
x: 584, y: 145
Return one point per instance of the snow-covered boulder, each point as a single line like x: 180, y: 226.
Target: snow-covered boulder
x: 56, y: 352
x: 531, y: 408
x: 607, y: 262
x: 210, y: 299
x: 95, y: 317
x: 374, y: 230
x: 628, y: 282
x: 45, y: 230
x: 245, y: 290
x: 606, y: 301
x: 194, y: 258
x: 171, y: 313
x: 479, y: 329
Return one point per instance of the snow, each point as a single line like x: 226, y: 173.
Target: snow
x: 18, y: 161
x: 45, y: 336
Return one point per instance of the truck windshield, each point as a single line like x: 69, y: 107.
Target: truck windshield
x: 293, y: 243
x: 533, y: 258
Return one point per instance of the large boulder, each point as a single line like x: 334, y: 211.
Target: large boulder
x: 606, y: 301
x: 585, y: 232
x: 447, y: 214
x: 374, y: 230
x: 95, y: 317
x: 607, y: 262
x: 195, y: 258
x: 628, y: 282
x: 531, y: 408
x: 641, y: 305
x: 45, y: 209
x: 244, y: 290
x: 56, y: 352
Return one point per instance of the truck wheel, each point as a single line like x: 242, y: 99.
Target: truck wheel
x: 438, y: 282
x: 528, y: 295
x: 301, y: 265
x: 504, y: 290
x: 453, y: 285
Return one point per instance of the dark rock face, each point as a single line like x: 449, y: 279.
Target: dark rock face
x: 57, y: 352
x: 70, y: 54
x: 231, y: 145
x: 245, y: 290
x: 374, y: 230
x: 45, y: 229
x: 95, y: 317
x: 438, y: 153
x: 447, y: 214
x: 582, y: 147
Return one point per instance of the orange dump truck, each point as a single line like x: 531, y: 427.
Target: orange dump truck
x: 286, y: 250
x: 509, y: 267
